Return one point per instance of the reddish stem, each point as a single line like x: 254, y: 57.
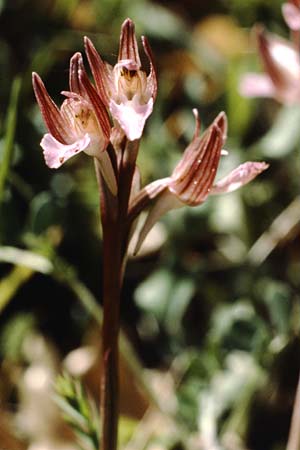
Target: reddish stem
x: 114, y: 211
x: 109, y: 387
x: 110, y: 332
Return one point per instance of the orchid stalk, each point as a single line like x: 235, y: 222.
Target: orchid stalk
x: 106, y: 120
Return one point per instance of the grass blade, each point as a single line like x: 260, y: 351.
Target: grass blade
x: 9, y: 138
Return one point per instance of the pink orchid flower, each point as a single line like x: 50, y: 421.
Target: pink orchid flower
x: 281, y: 61
x: 192, y: 180
x: 125, y: 89
x: 80, y: 125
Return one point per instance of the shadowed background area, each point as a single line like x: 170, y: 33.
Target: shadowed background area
x: 211, y: 305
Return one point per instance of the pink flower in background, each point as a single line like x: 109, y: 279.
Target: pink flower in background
x: 192, y: 180
x: 291, y: 14
x: 80, y: 125
x: 281, y: 62
x: 125, y: 89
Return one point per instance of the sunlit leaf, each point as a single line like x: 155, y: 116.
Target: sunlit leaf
x: 10, y: 284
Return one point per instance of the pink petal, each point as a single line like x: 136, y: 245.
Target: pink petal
x: 51, y: 114
x: 256, y: 85
x: 194, y: 175
x: 152, y: 78
x: 291, y: 15
x: 282, y: 64
x: 56, y: 153
x: 76, y: 65
x: 128, y: 45
x: 284, y: 55
x: 240, y: 176
x: 97, y: 104
x: 100, y: 70
x: 131, y: 115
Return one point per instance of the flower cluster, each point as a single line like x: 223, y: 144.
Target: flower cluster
x: 103, y: 118
x: 280, y: 59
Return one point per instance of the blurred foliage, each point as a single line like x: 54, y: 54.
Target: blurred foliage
x: 79, y: 411
x: 212, y: 307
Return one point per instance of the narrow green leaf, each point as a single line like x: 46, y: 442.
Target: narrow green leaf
x: 12, y: 282
x: 9, y: 135
x: 26, y: 258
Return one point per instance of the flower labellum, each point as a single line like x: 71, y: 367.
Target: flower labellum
x: 125, y: 88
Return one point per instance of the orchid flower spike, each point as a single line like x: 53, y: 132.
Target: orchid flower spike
x: 125, y: 88
x: 192, y: 180
x: 281, y: 61
x: 81, y: 123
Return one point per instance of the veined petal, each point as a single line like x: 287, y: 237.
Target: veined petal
x: 56, y: 153
x: 240, y: 176
x: 165, y: 202
x: 193, y: 176
x: 281, y: 62
x: 97, y: 104
x: 131, y: 115
x: 291, y: 14
x: 152, y: 78
x: 76, y: 65
x: 100, y: 70
x: 128, y: 45
x: 50, y: 112
x: 256, y: 85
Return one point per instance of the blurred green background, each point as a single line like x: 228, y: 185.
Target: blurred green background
x: 212, y: 304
